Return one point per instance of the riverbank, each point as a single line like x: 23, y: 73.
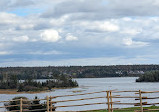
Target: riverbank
x: 15, y: 91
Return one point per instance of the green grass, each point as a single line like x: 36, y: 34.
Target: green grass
x: 129, y: 109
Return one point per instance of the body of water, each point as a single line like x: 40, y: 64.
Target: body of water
x: 93, y: 85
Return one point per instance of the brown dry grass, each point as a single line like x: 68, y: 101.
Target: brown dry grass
x: 14, y: 91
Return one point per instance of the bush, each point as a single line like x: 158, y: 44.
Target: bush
x: 16, y: 101
x: 34, y: 105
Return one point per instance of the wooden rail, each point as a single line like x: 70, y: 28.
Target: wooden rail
x: 78, y: 94
x: 110, y: 100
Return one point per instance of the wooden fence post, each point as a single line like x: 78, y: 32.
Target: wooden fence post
x: 21, y: 105
x: 140, y: 101
x: 50, y: 104
x: 47, y: 98
x: 108, y: 101
x: 111, y: 101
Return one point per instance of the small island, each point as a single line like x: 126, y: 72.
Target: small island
x: 32, y: 85
x: 152, y: 76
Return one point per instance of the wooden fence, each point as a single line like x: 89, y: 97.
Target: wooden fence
x: 49, y: 103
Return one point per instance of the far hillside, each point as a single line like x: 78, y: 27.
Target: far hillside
x: 78, y: 71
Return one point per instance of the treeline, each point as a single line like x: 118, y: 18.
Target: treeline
x: 152, y: 76
x: 63, y: 81
x: 78, y: 71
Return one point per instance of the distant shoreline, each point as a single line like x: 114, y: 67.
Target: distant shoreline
x: 15, y: 91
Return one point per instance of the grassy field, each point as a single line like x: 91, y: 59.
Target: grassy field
x: 130, y: 109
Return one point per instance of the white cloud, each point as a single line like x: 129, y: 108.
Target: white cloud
x: 2, y: 38
x: 59, y: 21
x: 107, y: 26
x: 7, y: 18
x: 50, y: 35
x: 4, y: 52
x: 70, y: 37
x: 24, y: 38
x: 127, y: 41
x: 100, y: 26
x: 130, y: 43
x: 26, y: 26
x: 46, y: 52
x: 131, y: 31
x: 126, y: 19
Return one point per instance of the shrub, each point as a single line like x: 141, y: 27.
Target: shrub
x: 34, y: 105
x: 16, y: 101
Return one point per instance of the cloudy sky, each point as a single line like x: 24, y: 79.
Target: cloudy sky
x: 78, y: 32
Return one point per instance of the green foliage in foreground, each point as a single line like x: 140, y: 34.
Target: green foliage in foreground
x: 152, y: 76
x: 129, y: 109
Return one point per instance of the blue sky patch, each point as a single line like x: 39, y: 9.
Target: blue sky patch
x: 26, y: 11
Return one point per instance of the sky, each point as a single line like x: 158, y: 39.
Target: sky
x: 78, y: 32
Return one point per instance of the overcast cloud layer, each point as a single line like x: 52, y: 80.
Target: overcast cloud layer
x: 78, y: 32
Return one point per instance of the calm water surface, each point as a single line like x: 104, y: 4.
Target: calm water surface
x: 92, y: 85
